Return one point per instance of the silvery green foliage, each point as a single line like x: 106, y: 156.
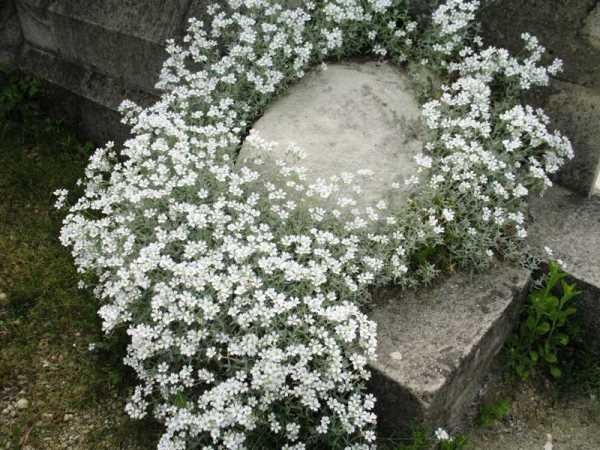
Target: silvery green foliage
x: 241, y: 293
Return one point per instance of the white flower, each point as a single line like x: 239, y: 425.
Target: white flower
x: 442, y: 435
x: 239, y: 283
x: 61, y: 197
x: 448, y: 214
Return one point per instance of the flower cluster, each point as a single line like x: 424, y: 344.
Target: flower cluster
x: 240, y: 288
x: 486, y: 154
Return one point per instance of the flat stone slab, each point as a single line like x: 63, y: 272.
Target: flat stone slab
x: 349, y: 117
x: 575, y: 111
x: 570, y: 225
x: 435, y: 345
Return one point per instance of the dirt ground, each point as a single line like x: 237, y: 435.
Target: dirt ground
x: 540, y: 418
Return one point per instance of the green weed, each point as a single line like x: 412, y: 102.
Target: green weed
x: 491, y: 413
x: 546, y: 328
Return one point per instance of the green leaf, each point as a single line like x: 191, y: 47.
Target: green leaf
x: 555, y: 372
x: 570, y: 311
x: 531, y: 323
x: 563, y: 339
x: 523, y: 372
x: 543, y: 328
x: 534, y: 356
x: 550, y: 357
x: 551, y: 304
x: 555, y: 275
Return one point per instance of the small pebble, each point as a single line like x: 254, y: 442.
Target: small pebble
x: 397, y: 356
x: 22, y: 403
x: 67, y: 417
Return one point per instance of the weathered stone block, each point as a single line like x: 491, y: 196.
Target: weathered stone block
x: 10, y: 33
x: 99, y: 95
x: 79, y: 79
x: 591, y: 30
x: 349, y: 117
x: 151, y: 20
x: 122, y: 39
x: 574, y: 103
x: 36, y: 23
x: 434, y: 345
x: 576, y: 112
x: 91, y: 121
x: 570, y: 226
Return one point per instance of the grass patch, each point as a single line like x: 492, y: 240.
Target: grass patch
x: 74, y: 398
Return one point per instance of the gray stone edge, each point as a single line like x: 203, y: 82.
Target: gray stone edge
x: 396, y: 402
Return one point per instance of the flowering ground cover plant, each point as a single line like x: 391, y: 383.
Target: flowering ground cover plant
x: 241, y: 292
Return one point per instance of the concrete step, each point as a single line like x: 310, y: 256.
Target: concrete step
x: 10, y: 33
x: 85, y: 99
x: 102, y: 52
x: 121, y: 39
x: 575, y: 111
x: 435, y: 345
x: 570, y: 225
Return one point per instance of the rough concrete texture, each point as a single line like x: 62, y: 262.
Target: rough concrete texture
x: 124, y: 41
x: 36, y: 24
x: 10, y: 33
x: 576, y: 112
x: 102, y: 51
x: 349, y: 117
x: 591, y: 30
x: 540, y: 417
x: 435, y: 345
x: 570, y: 226
x: 94, y: 113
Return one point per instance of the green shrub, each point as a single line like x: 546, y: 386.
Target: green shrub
x: 16, y: 94
x: 546, y: 328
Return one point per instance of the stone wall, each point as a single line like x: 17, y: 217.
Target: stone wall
x: 570, y: 29
x: 95, y: 53
x: 103, y: 51
x: 10, y: 33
